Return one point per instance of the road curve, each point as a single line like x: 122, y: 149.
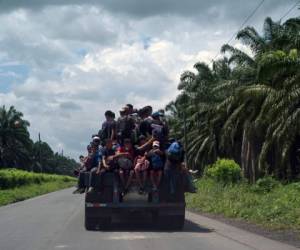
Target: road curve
x: 55, y: 221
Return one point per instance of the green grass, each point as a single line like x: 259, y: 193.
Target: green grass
x: 11, y: 178
x: 18, y: 185
x: 276, y: 209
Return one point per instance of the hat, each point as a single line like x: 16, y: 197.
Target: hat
x: 156, y: 143
x: 124, y: 109
x: 156, y: 114
x: 96, y: 138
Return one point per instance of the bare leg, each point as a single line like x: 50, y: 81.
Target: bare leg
x: 138, y: 177
x: 144, y: 178
x: 131, y: 173
x: 152, y: 178
x: 158, y: 179
x: 122, y: 177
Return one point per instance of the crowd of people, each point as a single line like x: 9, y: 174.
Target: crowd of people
x: 137, y: 144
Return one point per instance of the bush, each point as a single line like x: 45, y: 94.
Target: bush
x: 224, y: 170
x: 265, y: 184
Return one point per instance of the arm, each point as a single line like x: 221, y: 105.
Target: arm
x: 147, y: 144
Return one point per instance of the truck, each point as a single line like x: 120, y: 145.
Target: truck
x: 163, y: 208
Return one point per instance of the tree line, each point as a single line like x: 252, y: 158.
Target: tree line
x: 245, y: 106
x: 18, y: 150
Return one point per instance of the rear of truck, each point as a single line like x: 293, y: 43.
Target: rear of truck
x: 164, y: 209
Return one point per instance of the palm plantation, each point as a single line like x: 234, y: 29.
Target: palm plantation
x: 246, y: 106
x: 17, y: 150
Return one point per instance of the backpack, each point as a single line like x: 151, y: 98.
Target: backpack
x: 175, y: 152
x: 158, y: 130
x: 156, y: 161
x: 125, y: 126
x: 125, y: 163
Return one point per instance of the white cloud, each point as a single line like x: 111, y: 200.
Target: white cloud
x: 85, y: 59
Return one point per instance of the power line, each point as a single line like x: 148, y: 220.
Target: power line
x: 242, y: 25
x: 289, y: 11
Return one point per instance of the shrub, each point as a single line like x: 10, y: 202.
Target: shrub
x: 265, y: 184
x: 224, y: 170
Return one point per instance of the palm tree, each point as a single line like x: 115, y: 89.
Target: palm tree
x: 246, y: 106
x: 15, y: 142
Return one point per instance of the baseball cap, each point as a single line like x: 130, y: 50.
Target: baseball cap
x: 156, y: 143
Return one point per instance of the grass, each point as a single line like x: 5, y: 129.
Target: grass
x: 20, y: 185
x: 11, y: 178
x: 278, y: 208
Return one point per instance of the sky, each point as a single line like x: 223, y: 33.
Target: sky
x: 63, y: 63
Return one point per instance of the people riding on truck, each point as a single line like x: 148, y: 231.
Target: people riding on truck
x: 134, y: 145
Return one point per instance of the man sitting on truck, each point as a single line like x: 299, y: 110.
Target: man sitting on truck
x: 104, y: 166
x: 155, y: 155
x: 124, y: 159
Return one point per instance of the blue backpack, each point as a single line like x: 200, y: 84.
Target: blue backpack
x: 175, y: 152
x: 157, y: 162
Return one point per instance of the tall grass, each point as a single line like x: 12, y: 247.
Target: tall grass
x: 277, y: 207
x: 11, y: 178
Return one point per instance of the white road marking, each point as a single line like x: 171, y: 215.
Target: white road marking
x: 62, y: 246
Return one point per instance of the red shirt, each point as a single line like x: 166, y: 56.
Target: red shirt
x: 129, y: 151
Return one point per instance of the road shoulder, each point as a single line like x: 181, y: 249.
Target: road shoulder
x: 234, y: 231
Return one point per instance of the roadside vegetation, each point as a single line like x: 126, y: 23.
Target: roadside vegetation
x: 246, y: 105
x: 268, y: 203
x: 17, y: 185
x: 18, y: 150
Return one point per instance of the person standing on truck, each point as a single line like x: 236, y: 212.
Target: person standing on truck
x: 146, y: 120
x: 108, y: 129
x: 159, y: 129
x: 125, y: 125
x: 155, y: 155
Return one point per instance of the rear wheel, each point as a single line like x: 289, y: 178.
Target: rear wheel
x: 170, y: 222
x: 104, y: 223
x: 90, y: 224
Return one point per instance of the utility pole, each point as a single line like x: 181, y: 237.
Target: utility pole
x: 40, y: 151
x: 185, y: 138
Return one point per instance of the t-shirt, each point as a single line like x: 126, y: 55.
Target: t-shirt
x: 125, y: 126
x: 130, y: 152
x: 107, y: 129
x: 108, y: 152
x: 145, y: 127
x: 96, y: 158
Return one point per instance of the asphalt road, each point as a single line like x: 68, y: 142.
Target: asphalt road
x: 55, y: 221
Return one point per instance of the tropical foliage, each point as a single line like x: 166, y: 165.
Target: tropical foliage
x: 246, y: 106
x: 17, y: 150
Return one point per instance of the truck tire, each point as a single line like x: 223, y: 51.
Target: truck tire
x: 90, y: 224
x: 104, y: 223
x: 171, y: 222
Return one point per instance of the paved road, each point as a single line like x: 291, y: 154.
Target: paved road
x: 55, y: 221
